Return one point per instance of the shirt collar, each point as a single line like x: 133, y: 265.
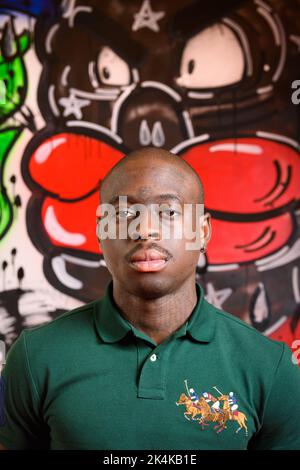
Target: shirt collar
x: 112, y: 326
x: 202, y: 321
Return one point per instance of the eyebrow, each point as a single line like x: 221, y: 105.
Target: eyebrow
x: 193, y: 18
x: 162, y: 197
x: 111, y: 33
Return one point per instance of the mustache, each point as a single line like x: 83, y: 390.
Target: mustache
x: 153, y: 246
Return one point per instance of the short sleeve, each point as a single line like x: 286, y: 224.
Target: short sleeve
x: 23, y: 426
x: 281, y: 421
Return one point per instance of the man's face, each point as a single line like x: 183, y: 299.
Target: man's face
x: 155, y: 264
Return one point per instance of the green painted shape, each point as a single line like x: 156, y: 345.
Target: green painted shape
x: 24, y: 43
x: 13, y: 76
x: 7, y: 140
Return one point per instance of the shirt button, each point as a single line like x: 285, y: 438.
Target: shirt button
x: 153, y: 357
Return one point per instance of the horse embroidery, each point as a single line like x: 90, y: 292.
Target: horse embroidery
x: 212, y: 410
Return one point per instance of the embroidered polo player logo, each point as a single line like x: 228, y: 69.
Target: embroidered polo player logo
x: 206, y: 409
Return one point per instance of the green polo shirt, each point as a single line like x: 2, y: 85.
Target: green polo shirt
x: 90, y: 380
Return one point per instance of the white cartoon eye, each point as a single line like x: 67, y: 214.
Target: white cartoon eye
x: 112, y: 69
x: 212, y: 58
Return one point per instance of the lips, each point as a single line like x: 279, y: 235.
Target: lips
x: 148, y: 260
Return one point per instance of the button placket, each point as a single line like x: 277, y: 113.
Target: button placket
x: 152, y: 379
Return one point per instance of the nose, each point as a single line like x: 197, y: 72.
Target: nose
x: 148, y: 228
x: 152, y: 115
x: 155, y: 137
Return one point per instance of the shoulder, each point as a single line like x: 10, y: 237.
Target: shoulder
x: 241, y: 337
x: 265, y: 361
x: 50, y: 340
x: 68, y: 320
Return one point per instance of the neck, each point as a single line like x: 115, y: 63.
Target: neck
x: 158, y: 318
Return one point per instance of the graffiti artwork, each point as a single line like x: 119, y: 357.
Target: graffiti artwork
x: 90, y: 81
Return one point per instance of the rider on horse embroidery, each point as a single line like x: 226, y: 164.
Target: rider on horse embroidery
x: 213, y: 402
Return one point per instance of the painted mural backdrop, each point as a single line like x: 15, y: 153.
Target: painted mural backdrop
x: 83, y: 82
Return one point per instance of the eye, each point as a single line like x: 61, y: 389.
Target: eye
x: 112, y: 69
x: 169, y: 213
x: 125, y: 214
x: 212, y: 58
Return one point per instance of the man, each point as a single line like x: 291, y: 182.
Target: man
x: 193, y: 395
x: 212, y: 401
x: 233, y: 402
x: 109, y: 374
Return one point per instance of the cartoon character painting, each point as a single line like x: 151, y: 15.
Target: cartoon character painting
x: 195, y: 91
x: 210, y: 83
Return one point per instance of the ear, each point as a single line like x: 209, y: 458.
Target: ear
x: 8, y: 41
x: 98, y: 231
x: 205, y: 228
